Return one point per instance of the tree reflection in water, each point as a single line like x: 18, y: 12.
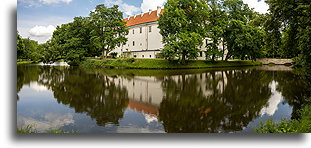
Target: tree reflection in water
x: 218, y: 101
x: 96, y: 95
x: 210, y: 101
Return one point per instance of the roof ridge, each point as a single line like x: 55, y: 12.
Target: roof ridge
x: 142, y: 18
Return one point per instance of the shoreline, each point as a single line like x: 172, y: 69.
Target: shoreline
x: 162, y: 64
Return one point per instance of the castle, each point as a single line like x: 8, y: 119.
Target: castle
x: 144, y: 38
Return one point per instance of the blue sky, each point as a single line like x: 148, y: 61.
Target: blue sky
x: 37, y: 19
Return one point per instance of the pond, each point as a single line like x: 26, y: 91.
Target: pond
x: 230, y: 100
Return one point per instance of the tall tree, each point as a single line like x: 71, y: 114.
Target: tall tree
x: 295, y: 18
x: 182, y: 28
x: 109, y: 30
x: 215, y: 29
x: 31, y: 49
x: 243, y: 39
x: 20, y: 46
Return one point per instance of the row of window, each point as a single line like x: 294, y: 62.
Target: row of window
x: 135, y: 56
x: 141, y: 29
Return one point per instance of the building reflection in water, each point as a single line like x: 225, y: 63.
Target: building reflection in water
x: 183, y: 101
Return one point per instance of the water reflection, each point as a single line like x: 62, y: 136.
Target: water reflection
x: 209, y: 101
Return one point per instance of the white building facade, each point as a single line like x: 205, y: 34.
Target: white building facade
x: 144, y: 38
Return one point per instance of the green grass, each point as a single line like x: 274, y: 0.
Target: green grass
x: 24, y: 62
x: 302, y: 125
x: 162, y: 64
x: 30, y: 129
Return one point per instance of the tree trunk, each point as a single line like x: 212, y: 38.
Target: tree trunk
x: 103, y: 54
x: 183, y: 59
x: 213, y: 58
x: 223, y: 50
x: 227, y: 57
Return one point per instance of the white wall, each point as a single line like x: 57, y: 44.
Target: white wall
x: 145, y: 43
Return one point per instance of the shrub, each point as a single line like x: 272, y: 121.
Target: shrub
x: 113, y: 55
x: 302, y: 125
x: 297, y: 61
x: 130, y: 60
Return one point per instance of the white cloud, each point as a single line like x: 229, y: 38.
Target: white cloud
x: 151, y: 4
x: 125, y: 8
x: 42, y: 31
x: 260, y: 7
x: 49, y: 121
x: 29, y: 3
x: 55, y: 1
x: 274, y: 101
x: 38, y: 87
x: 24, y: 25
x: 38, y: 3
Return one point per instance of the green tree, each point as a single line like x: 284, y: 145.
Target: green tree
x: 295, y: 18
x: 272, y: 37
x: 71, y: 42
x: 182, y: 28
x: 243, y: 39
x: 109, y: 30
x: 215, y: 29
x: 20, y: 46
x: 31, y: 47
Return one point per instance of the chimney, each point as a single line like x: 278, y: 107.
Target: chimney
x: 158, y: 10
x: 150, y: 10
x: 142, y: 14
x: 128, y: 17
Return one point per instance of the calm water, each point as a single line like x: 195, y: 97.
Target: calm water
x: 155, y: 101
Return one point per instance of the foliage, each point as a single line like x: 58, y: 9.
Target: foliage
x: 20, y: 47
x: 27, y: 129
x: 27, y: 49
x: 30, y: 129
x: 297, y: 61
x: 302, y: 125
x: 86, y: 37
x: 243, y: 40
x: 242, y: 35
x: 293, y: 19
x: 109, y: 30
x: 182, y: 28
x: 114, y: 55
x: 215, y: 29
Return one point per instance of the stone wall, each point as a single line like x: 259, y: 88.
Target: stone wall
x: 275, y: 61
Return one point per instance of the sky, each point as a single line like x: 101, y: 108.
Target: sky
x: 37, y: 19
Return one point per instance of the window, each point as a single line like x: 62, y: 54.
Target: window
x: 133, y: 43
x: 150, y: 56
x: 141, y: 44
x: 143, y: 56
x: 133, y: 31
x: 149, y: 28
x: 141, y: 30
x: 134, y: 56
x: 201, y: 53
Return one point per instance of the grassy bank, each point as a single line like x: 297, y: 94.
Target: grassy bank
x: 30, y: 129
x: 162, y: 64
x: 301, y: 125
x: 24, y: 62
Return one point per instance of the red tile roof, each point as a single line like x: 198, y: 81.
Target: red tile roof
x: 141, y: 20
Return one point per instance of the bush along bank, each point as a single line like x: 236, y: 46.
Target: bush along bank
x: 301, y: 125
x: 131, y: 63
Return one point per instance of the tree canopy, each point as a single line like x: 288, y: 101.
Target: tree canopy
x: 182, y: 28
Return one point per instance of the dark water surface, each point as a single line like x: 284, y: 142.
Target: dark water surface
x: 155, y: 101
